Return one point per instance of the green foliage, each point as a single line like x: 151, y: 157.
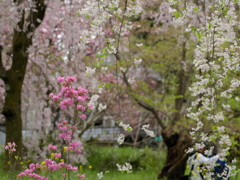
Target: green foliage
x: 106, y: 158
x: 146, y: 164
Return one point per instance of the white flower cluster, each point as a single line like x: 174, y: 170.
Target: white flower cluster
x: 104, y: 68
x: 131, y: 80
x: 112, y: 50
x: 93, y: 100
x: 200, y: 145
x: 127, y: 167
x: 100, y: 90
x: 101, y: 107
x: 221, y: 129
x: 217, y: 117
x: 190, y: 150
x: 209, y: 152
x: 98, y: 13
x: 139, y: 44
x: 148, y: 132
x: 234, y: 160
x: 225, y: 140
x: 90, y: 71
x: 123, y: 69
x: 139, y: 61
x: 121, y: 138
x: 204, y: 137
x: 216, y: 62
x: 126, y: 127
x: 100, y: 175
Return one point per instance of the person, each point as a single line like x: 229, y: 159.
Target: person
x: 196, y: 162
x: 221, y: 169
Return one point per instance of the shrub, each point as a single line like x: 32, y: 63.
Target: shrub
x: 105, y: 158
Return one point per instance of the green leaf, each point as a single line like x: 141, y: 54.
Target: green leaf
x: 87, y: 16
x: 177, y: 14
x: 196, y: 10
x: 118, y: 122
x: 214, y: 128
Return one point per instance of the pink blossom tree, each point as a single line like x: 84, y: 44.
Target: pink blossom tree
x: 42, y: 32
x: 19, y: 20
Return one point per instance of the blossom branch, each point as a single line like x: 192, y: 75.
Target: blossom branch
x: 119, y: 35
x: 144, y: 104
x: 36, y: 15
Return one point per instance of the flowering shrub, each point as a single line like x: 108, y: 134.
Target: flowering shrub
x: 216, y: 65
x: 75, y: 98
x: 68, y: 97
x: 53, y: 164
x: 10, y: 147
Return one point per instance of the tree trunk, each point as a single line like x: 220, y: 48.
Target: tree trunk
x: 14, y: 77
x: 13, y: 82
x: 175, y: 163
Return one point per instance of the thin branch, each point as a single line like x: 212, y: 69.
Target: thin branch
x: 36, y: 16
x: 144, y: 104
x: 119, y: 35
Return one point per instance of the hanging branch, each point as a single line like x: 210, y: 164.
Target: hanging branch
x: 144, y: 104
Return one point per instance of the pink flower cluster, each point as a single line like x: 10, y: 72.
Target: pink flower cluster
x: 64, y: 126
x: 29, y: 172
x: 74, y: 147
x: 32, y: 175
x: 52, y: 147
x: 10, y: 147
x: 66, y: 135
x: 67, y: 128
x: 81, y: 176
x: 58, y: 155
x: 47, y: 165
x: 70, y: 96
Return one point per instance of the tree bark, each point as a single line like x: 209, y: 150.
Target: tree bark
x: 14, y: 77
x: 175, y: 163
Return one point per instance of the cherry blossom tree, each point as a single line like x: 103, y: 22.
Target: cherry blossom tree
x: 42, y: 40
x: 19, y: 21
x: 190, y: 20
x: 41, y: 32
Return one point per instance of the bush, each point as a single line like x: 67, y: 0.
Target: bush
x: 106, y: 158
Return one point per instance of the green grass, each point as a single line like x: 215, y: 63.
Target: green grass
x: 146, y: 164
x: 106, y: 158
x: 116, y: 175
x: 112, y: 175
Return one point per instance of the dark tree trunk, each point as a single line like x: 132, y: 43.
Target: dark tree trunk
x: 175, y: 163
x: 13, y: 82
x: 177, y: 143
x: 14, y: 77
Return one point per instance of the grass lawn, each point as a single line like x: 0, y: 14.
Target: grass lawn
x: 114, y: 175
x: 146, y: 164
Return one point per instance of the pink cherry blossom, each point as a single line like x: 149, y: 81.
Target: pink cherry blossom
x: 51, y: 147
x: 83, y: 116
x: 81, y: 176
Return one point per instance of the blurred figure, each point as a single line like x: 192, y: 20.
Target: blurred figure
x: 196, y: 162
x: 221, y: 170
